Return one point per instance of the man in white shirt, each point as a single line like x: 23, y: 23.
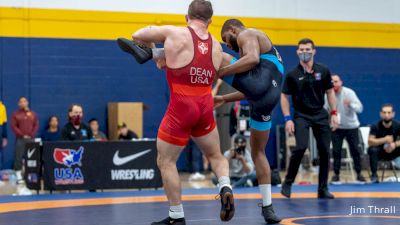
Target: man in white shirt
x: 348, y: 106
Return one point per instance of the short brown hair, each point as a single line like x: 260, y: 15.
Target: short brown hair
x: 305, y: 41
x: 201, y: 10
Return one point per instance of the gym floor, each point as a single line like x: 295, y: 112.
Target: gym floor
x: 354, y: 204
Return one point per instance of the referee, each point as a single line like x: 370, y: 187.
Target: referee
x: 307, y: 84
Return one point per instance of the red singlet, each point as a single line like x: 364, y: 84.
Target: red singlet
x: 190, y: 109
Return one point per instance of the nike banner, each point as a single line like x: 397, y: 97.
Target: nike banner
x: 100, y: 165
x: 32, y: 165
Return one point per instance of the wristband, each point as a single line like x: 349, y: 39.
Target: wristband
x: 287, y: 118
x: 333, y: 112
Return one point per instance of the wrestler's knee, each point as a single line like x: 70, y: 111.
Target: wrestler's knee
x: 164, y: 162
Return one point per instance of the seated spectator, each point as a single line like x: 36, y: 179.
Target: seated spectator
x: 125, y: 133
x: 97, y: 134
x: 75, y: 129
x: 383, y: 140
x: 241, y: 166
x: 52, y: 130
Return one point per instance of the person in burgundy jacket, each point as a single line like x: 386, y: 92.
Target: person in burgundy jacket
x: 25, y: 124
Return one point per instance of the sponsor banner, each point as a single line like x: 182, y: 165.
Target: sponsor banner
x: 32, y: 165
x: 100, y: 165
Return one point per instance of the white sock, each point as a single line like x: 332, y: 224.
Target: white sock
x: 176, y: 211
x: 224, y: 181
x: 265, y: 190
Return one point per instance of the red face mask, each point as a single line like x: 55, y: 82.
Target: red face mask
x: 336, y: 89
x: 76, y: 120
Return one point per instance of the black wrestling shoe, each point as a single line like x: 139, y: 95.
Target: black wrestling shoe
x: 324, y: 193
x: 269, y: 215
x: 170, y: 221
x: 142, y: 54
x: 286, y: 190
x: 227, y: 205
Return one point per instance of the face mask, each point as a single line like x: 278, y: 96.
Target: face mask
x: 336, y: 89
x: 76, y: 120
x: 233, y: 42
x: 387, y: 121
x: 305, y: 56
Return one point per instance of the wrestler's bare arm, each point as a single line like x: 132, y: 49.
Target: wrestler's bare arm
x: 235, y: 96
x: 226, y: 61
x: 250, y: 54
x: 217, y: 54
x: 152, y: 34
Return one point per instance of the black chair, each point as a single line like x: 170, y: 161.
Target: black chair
x: 387, y: 164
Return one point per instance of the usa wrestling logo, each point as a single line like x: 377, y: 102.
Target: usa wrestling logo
x: 68, y: 158
x: 203, y: 47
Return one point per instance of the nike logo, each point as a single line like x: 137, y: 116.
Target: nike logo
x: 30, y: 152
x: 118, y: 161
x: 301, y: 78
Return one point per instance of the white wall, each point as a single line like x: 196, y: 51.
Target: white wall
x: 384, y: 11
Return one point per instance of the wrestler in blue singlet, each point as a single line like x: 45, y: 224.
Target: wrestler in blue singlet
x: 261, y: 86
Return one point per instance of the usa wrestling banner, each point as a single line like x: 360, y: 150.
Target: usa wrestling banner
x: 100, y: 165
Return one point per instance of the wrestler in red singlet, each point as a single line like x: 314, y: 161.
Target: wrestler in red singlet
x: 190, y: 109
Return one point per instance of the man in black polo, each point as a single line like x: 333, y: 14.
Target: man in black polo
x: 383, y: 140
x: 75, y: 129
x: 307, y: 84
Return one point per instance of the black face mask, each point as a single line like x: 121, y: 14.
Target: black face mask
x: 387, y: 121
x: 233, y: 43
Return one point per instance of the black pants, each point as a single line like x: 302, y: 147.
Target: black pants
x: 19, y: 152
x: 322, y: 133
x: 377, y: 153
x: 352, y: 138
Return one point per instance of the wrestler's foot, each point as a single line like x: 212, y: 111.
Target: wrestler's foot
x: 142, y: 54
x: 286, y: 189
x: 227, y: 205
x: 269, y: 215
x: 170, y: 221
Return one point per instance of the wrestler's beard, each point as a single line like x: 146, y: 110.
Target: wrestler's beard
x: 234, y: 45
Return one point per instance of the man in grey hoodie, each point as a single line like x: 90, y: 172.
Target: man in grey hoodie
x: 347, y: 106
